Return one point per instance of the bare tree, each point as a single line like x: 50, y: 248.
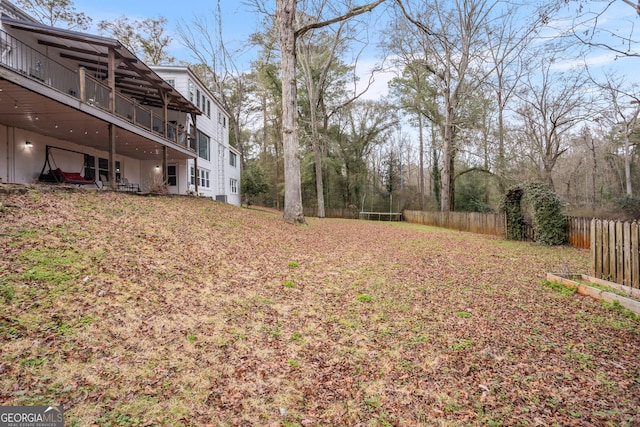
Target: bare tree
x: 622, y: 114
x: 413, y: 87
x: 316, y: 58
x: 145, y: 38
x: 454, y: 36
x: 550, y: 106
x: 286, y: 11
x: 203, y: 38
x: 56, y: 12
x: 591, y: 29
x: 510, y: 38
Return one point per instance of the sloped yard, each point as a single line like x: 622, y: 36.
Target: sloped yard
x: 170, y: 311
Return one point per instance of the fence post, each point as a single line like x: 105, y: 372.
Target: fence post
x: 594, y: 251
x: 635, y: 255
x: 626, y: 245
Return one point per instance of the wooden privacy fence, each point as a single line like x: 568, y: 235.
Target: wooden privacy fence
x: 475, y: 222
x: 578, y: 228
x: 348, y: 213
x: 615, y: 251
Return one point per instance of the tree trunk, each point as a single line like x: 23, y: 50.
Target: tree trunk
x: 421, y: 138
x: 285, y: 15
x: 627, y: 164
x: 448, y: 153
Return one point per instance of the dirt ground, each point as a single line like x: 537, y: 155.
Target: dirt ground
x: 138, y: 311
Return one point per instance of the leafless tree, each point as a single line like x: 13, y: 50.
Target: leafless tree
x: 286, y: 11
x: 454, y: 35
x: 622, y: 114
x: 551, y: 104
x: 55, y: 13
x: 203, y: 38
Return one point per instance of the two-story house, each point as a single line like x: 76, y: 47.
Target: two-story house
x: 82, y: 109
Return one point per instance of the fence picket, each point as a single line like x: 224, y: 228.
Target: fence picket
x: 626, y: 250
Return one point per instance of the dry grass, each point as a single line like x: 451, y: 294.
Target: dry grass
x: 133, y: 310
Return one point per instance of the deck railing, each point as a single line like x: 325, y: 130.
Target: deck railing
x: 19, y: 57
x: 28, y: 61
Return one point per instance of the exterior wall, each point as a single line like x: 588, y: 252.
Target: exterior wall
x: 22, y: 164
x: 215, y: 172
x: 233, y: 173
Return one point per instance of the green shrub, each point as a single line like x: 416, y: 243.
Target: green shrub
x: 549, y: 221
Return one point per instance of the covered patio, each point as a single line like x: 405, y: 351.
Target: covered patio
x: 88, y: 91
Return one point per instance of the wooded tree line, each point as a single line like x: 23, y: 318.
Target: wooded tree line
x: 483, y: 98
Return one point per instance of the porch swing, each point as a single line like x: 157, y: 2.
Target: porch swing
x: 55, y: 174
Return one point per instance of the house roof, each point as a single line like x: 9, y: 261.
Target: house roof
x: 133, y: 77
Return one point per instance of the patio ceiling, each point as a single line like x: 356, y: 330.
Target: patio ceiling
x: 68, y: 119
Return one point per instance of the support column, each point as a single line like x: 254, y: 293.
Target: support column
x: 165, y: 166
x: 82, y: 84
x: 112, y: 156
x: 112, y: 79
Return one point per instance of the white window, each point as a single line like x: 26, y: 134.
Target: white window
x: 204, y: 178
x: 233, y: 185
x: 192, y: 89
x: 171, y: 82
x: 233, y: 159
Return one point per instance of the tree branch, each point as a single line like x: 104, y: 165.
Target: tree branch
x: 635, y: 6
x: 358, y: 10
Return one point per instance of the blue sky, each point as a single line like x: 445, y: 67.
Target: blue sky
x: 238, y: 20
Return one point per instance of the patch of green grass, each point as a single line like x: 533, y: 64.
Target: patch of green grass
x: 615, y: 305
x: 461, y: 345
x: 582, y: 358
x: 293, y: 264
x: 7, y: 292
x: 364, y: 298
x: 289, y: 284
x: 463, y: 314
x: 34, y: 361
x: 605, y: 288
x: 293, y: 363
x: 373, y: 401
x: 564, y: 290
x: 54, y: 266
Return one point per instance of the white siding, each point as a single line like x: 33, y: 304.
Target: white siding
x: 220, y: 172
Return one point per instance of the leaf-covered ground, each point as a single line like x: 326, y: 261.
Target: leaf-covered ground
x: 171, y: 311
